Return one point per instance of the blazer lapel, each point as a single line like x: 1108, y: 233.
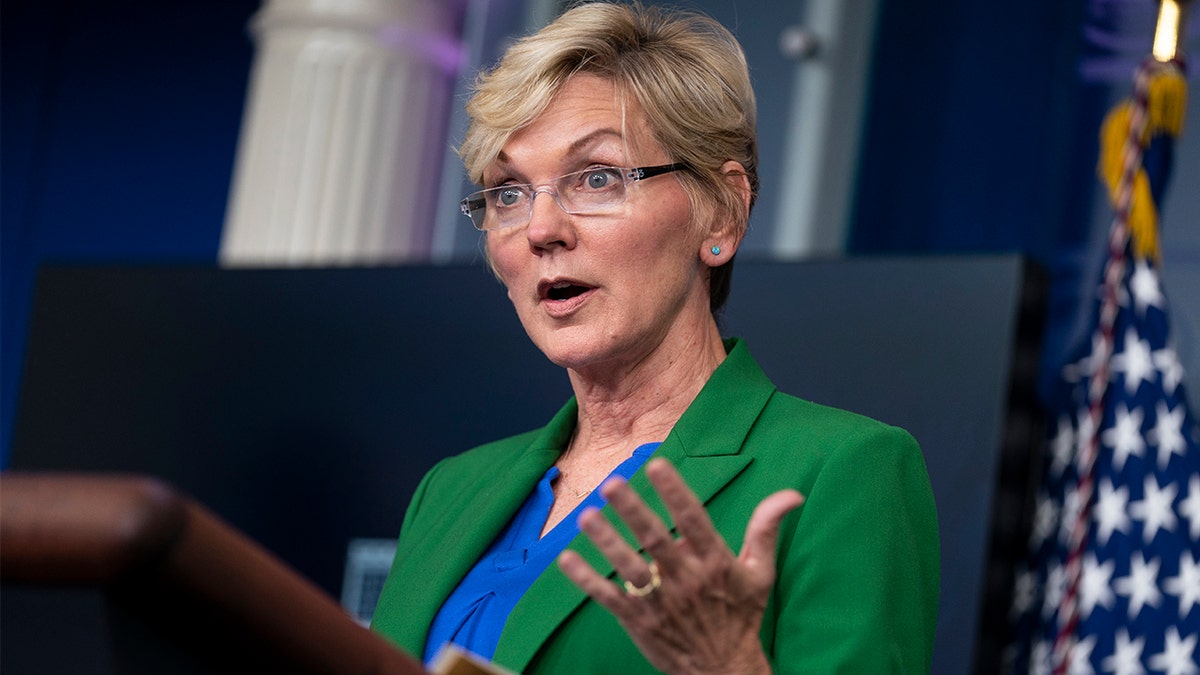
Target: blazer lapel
x: 705, y: 446
x: 468, y: 526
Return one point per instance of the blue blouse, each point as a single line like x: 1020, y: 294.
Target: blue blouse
x: 474, y: 614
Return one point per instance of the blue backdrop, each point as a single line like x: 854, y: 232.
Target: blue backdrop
x: 120, y: 122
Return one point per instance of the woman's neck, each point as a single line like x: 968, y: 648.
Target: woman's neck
x: 622, y: 407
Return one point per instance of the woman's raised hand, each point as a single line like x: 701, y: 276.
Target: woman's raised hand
x: 693, y: 607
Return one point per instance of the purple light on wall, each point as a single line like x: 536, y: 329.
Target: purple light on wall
x: 447, y: 53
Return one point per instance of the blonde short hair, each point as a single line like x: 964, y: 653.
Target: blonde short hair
x: 687, y: 73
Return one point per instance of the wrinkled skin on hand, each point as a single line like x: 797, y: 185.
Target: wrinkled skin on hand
x: 705, y: 615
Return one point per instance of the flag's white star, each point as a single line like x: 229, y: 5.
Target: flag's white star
x: 1084, y: 367
x: 1071, y: 508
x: 1144, y: 284
x: 1062, y: 448
x: 1039, y: 659
x: 1126, y: 658
x: 1071, y: 372
x: 1167, y: 433
x: 1125, y: 436
x: 1056, y: 581
x: 1154, y: 509
x: 1176, y: 656
x: 1110, y: 511
x: 1024, y: 592
x: 1094, y: 586
x: 1141, y: 585
x: 1186, y: 586
x: 1045, y: 520
x: 1080, y: 657
x: 1134, y: 361
x: 1190, y: 507
x: 1167, y: 363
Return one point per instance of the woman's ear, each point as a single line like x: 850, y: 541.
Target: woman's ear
x: 728, y: 230
x: 735, y: 173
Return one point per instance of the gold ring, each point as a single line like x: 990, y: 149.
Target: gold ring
x: 650, y: 587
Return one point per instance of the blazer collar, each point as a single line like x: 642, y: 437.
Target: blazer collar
x: 456, y: 543
x: 705, y: 445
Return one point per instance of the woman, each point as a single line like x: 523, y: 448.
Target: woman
x: 618, y: 154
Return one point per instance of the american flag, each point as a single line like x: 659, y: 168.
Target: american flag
x: 1112, y: 581
x: 1138, y: 597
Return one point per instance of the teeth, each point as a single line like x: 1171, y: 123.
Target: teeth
x: 561, y: 284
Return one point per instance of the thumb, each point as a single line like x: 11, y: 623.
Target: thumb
x: 762, y: 532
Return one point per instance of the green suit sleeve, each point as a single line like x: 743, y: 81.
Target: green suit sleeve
x: 858, y: 584
x: 389, y: 614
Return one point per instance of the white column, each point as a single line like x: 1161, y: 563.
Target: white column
x: 344, y: 132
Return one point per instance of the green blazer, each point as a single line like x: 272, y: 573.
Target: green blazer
x: 857, y: 585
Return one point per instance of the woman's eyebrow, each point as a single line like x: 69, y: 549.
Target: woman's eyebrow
x: 577, y: 147
x: 590, y: 140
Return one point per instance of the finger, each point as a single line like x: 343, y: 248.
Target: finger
x: 627, y: 562
x: 762, y: 532
x: 647, y: 528
x: 692, y: 521
x: 599, y: 588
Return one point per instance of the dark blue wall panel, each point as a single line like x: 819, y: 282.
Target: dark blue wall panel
x: 980, y: 135
x: 120, y: 124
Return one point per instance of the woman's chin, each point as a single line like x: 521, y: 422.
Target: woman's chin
x: 575, y: 349
x: 573, y: 357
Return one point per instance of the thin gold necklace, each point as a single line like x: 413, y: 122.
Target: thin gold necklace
x: 562, y: 480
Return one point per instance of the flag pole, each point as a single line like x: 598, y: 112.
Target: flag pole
x: 1156, y: 106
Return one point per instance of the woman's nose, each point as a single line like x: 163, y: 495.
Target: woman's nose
x: 549, y: 224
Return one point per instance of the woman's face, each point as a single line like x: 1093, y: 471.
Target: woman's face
x: 599, y: 291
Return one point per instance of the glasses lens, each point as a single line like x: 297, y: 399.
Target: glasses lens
x: 495, y: 208
x: 591, y: 190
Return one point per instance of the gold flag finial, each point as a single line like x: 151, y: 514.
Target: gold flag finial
x: 1168, y: 30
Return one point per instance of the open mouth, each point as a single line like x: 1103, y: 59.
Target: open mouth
x: 563, y: 290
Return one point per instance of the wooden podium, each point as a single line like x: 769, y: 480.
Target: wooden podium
x: 183, y: 591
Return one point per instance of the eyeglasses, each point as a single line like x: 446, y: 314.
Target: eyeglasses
x: 586, y: 192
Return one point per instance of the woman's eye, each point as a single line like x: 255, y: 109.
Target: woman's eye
x: 598, y: 179
x: 507, y: 196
